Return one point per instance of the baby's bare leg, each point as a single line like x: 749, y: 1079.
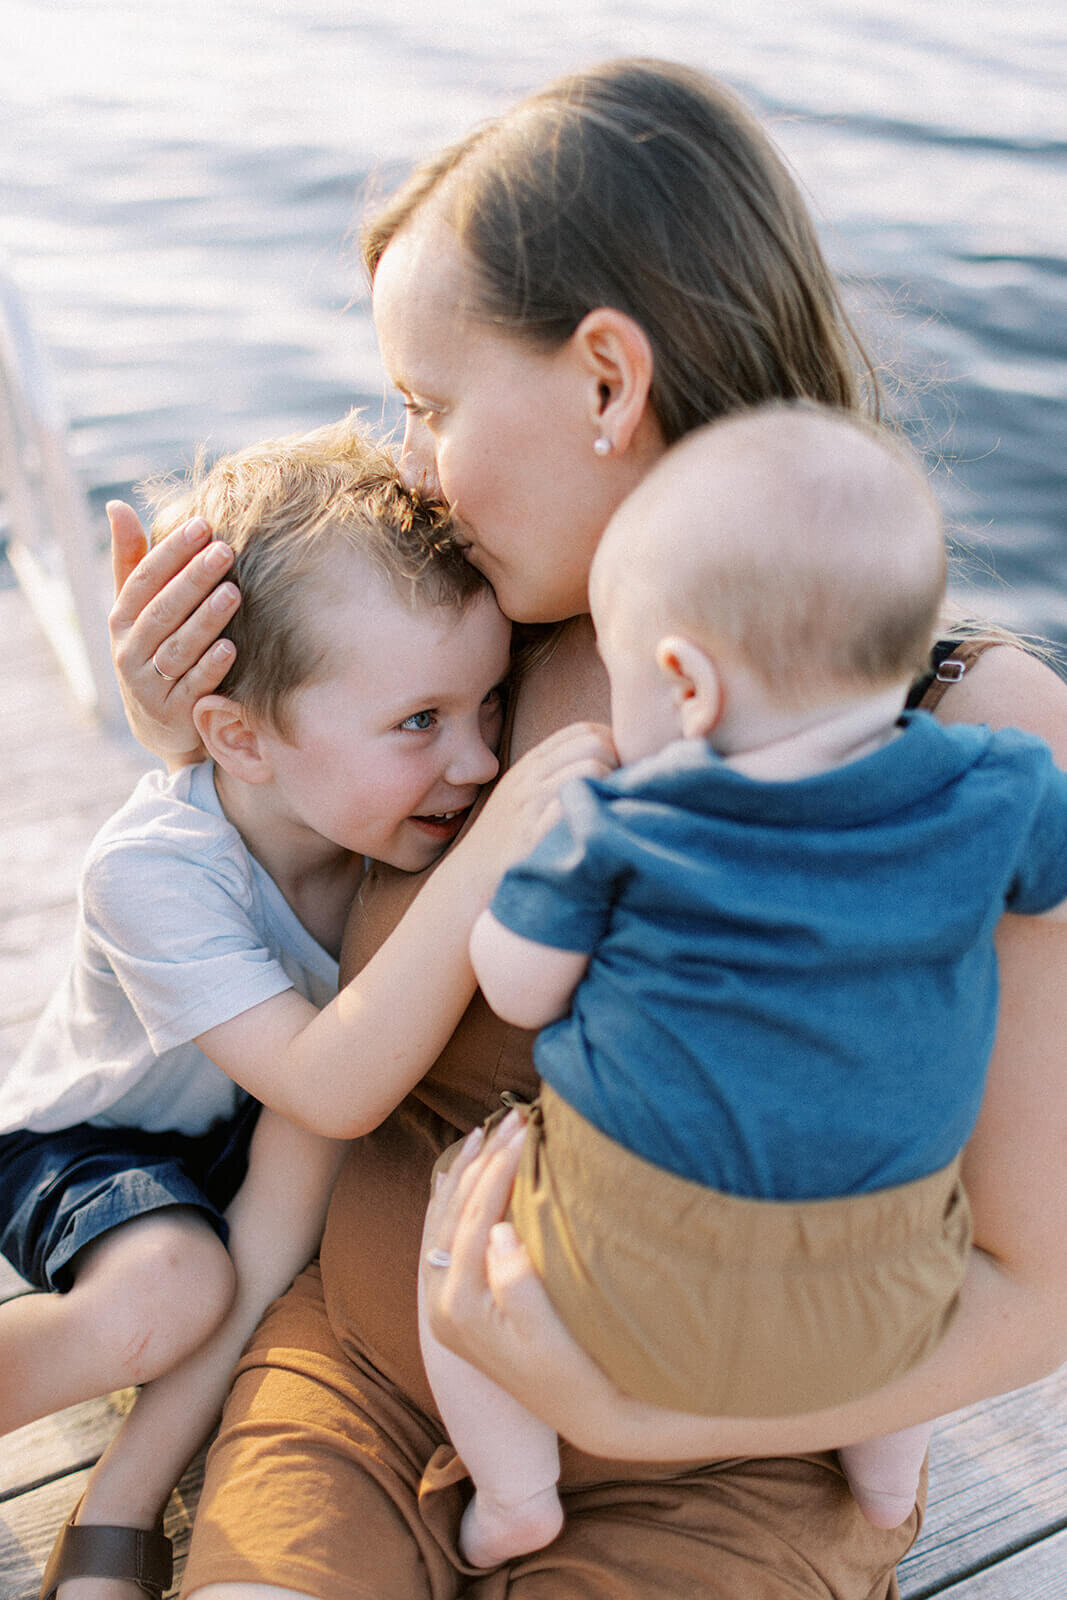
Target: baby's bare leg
x: 144, y: 1296
x: 883, y: 1473
x: 511, y: 1455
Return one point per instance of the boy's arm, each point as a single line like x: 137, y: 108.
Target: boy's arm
x: 526, y: 983
x: 276, y: 1221
x: 342, y: 1070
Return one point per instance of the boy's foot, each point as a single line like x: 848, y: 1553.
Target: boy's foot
x: 107, y: 1563
x: 491, y: 1533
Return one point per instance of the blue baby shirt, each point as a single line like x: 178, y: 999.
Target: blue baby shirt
x: 792, y: 992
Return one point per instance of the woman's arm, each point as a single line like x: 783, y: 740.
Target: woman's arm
x: 1011, y: 1328
x: 169, y: 602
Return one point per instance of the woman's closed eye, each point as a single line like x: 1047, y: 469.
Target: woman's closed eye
x: 420, y: 410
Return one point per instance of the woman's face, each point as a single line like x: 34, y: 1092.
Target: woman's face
x: 502, y: 431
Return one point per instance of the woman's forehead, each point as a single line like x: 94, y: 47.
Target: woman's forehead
x: 421, y: 289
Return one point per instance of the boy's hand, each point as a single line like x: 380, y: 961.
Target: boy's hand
x: 169, y: 608
x: 525, y: 803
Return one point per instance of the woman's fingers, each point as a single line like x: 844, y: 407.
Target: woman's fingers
x: 190, y: 652
x: 128, y: 540
x: 165, y: 623
x: 171, y: 586
x: 463, y: 1210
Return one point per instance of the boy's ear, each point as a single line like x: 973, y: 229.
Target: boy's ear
x: 696, y: 685
x: 231, y: 738
x: 616, y: 354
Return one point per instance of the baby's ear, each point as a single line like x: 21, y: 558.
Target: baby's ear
x: 695, y: 683
x: 231, y: 738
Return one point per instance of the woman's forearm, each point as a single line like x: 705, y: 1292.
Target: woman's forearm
x: 1006, y: 1334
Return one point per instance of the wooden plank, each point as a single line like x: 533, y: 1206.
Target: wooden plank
x: 1036, y: 1573
x: 998, y: 1483
x: 60, y: 1444
x: 29, y: 1524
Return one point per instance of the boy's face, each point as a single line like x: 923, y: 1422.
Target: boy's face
x: 389, y: 750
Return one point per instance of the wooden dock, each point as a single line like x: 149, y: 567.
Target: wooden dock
x: 996, y: 1526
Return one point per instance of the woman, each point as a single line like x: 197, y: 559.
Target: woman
x: 560, y: 297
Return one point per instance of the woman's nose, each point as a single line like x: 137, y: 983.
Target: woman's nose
x: 417, y: 466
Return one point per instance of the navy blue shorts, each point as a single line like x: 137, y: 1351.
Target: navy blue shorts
x: 60, y: 1191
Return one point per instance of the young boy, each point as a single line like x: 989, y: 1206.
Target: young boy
x: 360, y: 719
x: 765, y: 949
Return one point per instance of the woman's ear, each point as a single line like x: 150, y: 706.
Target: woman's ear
x: 695, y: 683
x: 231, y: 738
x: 616, y: 354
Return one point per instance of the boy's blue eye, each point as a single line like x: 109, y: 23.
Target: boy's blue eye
x: 419, y: 721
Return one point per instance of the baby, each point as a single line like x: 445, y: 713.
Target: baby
x: 752, y: 952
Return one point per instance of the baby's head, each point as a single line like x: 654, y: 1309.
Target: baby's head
x: 364, y: 692
x: 798, y: 549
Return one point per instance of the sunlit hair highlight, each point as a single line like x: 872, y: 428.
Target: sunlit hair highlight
x: 290, y: 508
x: 647, y: 187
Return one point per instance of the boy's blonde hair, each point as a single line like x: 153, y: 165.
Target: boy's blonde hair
x: 803, y: 540
x: 288, y: 507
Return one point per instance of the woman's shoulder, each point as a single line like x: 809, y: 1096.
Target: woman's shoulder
x: 567, y: 683
x: 1007, y: 686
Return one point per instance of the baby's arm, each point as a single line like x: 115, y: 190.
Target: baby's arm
x: 526, y: 983
x: 276, y: 1222
x: 340, y: 1071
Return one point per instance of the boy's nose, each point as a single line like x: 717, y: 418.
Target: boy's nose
x: 472, y: 761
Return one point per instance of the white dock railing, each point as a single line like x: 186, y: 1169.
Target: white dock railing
x: 50, y: 544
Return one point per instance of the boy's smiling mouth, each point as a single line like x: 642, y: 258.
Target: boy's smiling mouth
x: 443, y: 825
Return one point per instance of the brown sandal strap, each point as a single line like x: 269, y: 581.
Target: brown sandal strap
x: 141, y: 1555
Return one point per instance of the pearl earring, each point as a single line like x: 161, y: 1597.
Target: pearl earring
x: 603, y: 446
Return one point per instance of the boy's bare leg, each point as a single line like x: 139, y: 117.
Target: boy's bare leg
x: 276, y: 1222
x: 511, y: 1455
x: 883, y: 1473
x: 144, y: 1296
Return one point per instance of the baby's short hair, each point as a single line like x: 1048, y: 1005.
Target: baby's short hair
x: 804, y: 539
x: 288, y: 507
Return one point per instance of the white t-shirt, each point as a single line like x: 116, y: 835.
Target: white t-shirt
x: 179, y: 929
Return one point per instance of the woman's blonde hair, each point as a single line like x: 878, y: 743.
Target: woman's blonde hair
x: 289, y: 507
x: 647, y: 187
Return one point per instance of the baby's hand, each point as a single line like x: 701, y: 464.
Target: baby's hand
x: 525, y: 802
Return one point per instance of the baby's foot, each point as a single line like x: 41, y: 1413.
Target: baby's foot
x: 491, y: 1532
x: 883, y: 1508
x: 883, y: 1474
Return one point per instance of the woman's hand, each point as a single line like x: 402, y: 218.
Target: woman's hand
x: 488, y: 1304
x: 170, y: 606
x: 525, y: 804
